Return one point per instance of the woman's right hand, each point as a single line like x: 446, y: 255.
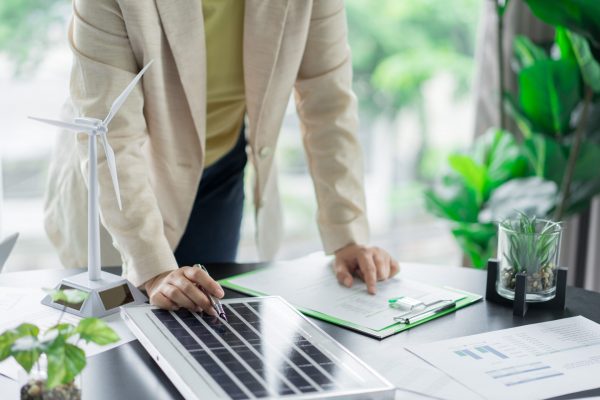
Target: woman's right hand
x: 181, y: 288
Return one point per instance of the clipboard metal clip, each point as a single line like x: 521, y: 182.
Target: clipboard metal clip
x: 430, y: 309
x: 411, y: 304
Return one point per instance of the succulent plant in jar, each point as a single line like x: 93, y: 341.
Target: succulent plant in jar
x: 528, y: 245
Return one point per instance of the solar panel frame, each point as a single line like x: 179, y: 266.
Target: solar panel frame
x: 182, y: 368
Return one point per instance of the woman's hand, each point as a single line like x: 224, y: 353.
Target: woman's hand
x: 371, y: 264
x: 181, y: 288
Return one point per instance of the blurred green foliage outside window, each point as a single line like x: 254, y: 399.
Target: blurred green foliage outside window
x: 398, y: 47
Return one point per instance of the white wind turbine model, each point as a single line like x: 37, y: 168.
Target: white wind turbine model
x: 106, y: 291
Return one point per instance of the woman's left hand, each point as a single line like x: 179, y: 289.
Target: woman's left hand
x: 371, y: 264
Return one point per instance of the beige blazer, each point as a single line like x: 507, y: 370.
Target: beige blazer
x: 159, y: 134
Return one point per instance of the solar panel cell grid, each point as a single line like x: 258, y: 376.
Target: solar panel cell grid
x: 240, y: 359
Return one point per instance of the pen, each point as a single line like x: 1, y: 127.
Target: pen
x: 424, y: 314
x: 214, y: 302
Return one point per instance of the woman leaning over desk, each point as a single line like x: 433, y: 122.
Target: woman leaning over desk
x: 181, y: 138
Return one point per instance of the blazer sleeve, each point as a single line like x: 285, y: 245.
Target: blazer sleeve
x: 328, y: 113
x: 103, y: 65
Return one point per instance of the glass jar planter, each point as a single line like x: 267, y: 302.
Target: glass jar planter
x: 34, y: 385
x: 534, y: 252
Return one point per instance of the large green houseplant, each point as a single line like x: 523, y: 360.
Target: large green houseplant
x: 551, y: 166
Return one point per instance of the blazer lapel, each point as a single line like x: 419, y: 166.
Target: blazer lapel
x: 264, y: 23
x: 183, y: 24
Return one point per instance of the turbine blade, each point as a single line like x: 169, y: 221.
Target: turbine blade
x: 66, y: 125
x: 123, y: 96
x: 112, y: 167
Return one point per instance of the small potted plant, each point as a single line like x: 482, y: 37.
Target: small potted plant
x: 52, y: 359
x: 528, y: 245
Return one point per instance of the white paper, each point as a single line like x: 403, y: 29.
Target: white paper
x: 406, y: 395
x: 310, y: 283
x: 413, y: 375
x: 528, y: 362
x: 19, y: 305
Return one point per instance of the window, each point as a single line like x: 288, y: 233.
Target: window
x: 413, y: 63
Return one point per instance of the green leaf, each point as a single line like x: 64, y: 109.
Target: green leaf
x: 74, y: 361
x: 588, y: 162
x: 27, y: 329
x: 6, y: 341
x: 25, y: 347
x: 534, y: 149
x: 564, y: 44
x: 547, y: 157
x: 526, y: 53
x: 549, y: 91
x: 97, y: 331
x: 452, y: 200
x: 512, y: 107
x: 472, y: 173
x: 65, y: 362
x: 499, y: 152
x: 56, y: 368
x: 55, y: 353
x: 71, y: 296
x: 590, y: 68
x: 9, y: 337
x: 26, y: 351
x: 581, y: 194
x: 532, y: 196
x: 66, y: 330
x: 477, y: 255
x: 592, y: 127
x: 581, y: 16
x: 477, y: 241
x: 501, y: 6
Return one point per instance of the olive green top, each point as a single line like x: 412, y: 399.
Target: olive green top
x: 225, y: 99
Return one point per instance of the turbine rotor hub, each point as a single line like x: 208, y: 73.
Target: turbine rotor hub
x: 92, y: 122
x: 88, y: 121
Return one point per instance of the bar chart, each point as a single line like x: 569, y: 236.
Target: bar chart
x: 535, y: 361
x: 478, y: 352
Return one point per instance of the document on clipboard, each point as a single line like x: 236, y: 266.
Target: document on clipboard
x: 310, y: 285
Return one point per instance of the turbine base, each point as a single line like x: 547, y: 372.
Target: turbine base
x: 106, y: 295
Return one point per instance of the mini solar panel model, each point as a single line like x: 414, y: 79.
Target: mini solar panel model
x: 265, y: 350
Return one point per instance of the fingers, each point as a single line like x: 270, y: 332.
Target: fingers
x: 342, y: 273
x: 394, y: 267
x: 176, y: 290
x: 371, y: 264
x: 200, y: 277
x: 382, y: 264
x: 369, y: 270
x: 183, y: 298
x: 176, y: 295
x: 162, y: 301
x: 194, y: 293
